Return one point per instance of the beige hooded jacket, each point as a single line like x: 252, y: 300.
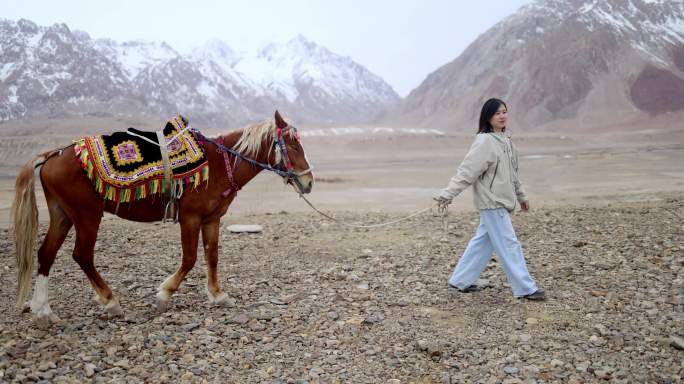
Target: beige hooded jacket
x: 491, y: 167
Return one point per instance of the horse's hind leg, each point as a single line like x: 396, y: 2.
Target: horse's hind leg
x: 210, y: 236
x: 190, y: 227
x: 58, y: 229
x: 84, y: 255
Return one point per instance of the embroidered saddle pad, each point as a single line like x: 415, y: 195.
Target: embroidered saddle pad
x: 126, y: 166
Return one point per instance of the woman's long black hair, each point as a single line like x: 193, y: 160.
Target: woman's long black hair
x: 488, y: 110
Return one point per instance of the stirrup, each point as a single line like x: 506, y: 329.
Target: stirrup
x: 171, y: 211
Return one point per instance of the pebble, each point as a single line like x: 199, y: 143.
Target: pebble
x: 238, y: 319
x: 89, y: 369
x: 677, y: 342
x: 44, y: 366
x: 510, y: 370
x: 582, y: 367
x: 556, y: 363
x: 188, y: 358
x: 189, y: 327
x: 362, y: 285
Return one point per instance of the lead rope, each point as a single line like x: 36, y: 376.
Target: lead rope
x: 442, y: 211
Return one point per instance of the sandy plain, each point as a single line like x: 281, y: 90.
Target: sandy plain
x: 314, y: 302
x: 400, y: 173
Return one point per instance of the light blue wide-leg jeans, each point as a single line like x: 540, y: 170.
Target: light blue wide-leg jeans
x: 495, y: 233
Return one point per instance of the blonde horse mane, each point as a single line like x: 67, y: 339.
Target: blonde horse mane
x: 253, y: 136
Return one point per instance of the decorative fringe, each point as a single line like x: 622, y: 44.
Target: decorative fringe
x: 140, y: 191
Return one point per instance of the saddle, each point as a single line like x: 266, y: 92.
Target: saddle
x: 130, y: 165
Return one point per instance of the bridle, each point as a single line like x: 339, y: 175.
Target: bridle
x: 284, y: 168
x: 289, y: 174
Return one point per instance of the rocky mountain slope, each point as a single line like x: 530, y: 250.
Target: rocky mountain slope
x: 577, y: 63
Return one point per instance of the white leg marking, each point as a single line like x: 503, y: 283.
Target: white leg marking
x: 39, y: 304
x: 164, y: 291
x: 98, y: 299
x: 165, y: 285
x: 164, y: 294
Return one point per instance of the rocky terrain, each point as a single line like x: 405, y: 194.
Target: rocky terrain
x: 317, y: 302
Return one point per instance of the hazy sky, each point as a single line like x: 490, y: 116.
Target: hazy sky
x: 400, y: 40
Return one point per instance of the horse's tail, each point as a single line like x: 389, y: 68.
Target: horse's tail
x: 25, y: 219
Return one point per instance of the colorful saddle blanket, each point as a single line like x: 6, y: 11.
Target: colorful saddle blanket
x: 126, y: 166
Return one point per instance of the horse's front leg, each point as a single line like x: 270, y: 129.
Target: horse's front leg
x: 190, y: 227
x: 210, y: 237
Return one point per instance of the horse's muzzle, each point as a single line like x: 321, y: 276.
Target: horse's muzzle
x: 303, y: 184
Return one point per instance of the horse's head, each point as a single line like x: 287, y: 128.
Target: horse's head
x: 290, y: 157
x: 277, y: 144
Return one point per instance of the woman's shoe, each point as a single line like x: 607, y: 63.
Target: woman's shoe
x: 472, y: 288
x: 537, y: 295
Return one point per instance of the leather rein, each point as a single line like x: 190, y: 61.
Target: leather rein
x: 284, y: 168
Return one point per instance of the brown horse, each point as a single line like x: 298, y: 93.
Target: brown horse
x: 73, y: 201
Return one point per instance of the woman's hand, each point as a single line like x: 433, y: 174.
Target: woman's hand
x: 442, y: 204
x: 525, y: 206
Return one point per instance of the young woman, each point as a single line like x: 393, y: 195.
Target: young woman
x: 491, y: 167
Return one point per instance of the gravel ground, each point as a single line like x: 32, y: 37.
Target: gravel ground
x: 316, y: 302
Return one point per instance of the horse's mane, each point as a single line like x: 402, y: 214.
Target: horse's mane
x: 254, y: 135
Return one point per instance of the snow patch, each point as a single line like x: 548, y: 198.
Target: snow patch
x: 34, y: 40
x: 207, y: 90
x: 7, y: 69
x: 615, y: 19
x: 76, y: 100
x: 60, y: 75
x: 49, y: 47
x: 134, y: 56
x: 648, y: 53
x: 13, y: 98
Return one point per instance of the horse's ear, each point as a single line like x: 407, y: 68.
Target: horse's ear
x: 280, y: 122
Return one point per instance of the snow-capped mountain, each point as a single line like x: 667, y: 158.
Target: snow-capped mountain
x: 583, y: 63
x: 135, y: 56
x: 49, y: 71
x: 53, y: 71
x: 312, y: 78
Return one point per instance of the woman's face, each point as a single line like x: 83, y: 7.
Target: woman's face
x: 498, y: 121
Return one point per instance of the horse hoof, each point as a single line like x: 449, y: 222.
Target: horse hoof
x: 45, y: 321
x: 114, y: 310
x: 223, y: 300
x: 42, y: 322
x: 161, y: 305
